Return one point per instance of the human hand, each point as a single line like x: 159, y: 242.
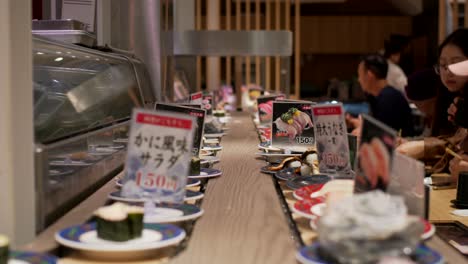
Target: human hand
x: 452, y: 110
x: 457, y: 165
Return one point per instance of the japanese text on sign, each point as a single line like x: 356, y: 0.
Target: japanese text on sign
x: 159, y: 153
x: 331, y: 137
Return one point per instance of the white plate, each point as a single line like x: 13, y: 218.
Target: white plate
x: 214, y: 135
x: 117, y: 196
x: 209, y: 159
x: 218, y: 148
x: 174, y: 213
x: 84, y: 237
x: 206, y: 173
x: 17, y: 261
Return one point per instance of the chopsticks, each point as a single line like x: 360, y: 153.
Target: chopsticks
x: 453, y: 153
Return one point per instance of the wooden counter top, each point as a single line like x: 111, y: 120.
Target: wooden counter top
x: 441, y: 208
x: 243, y: 220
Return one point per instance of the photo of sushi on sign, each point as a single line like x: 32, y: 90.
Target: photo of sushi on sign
x: 265, y: 107
x: 159, y: 155
x: 198, y: 113
x: 207, y: 103
x: 292, y: 126
x: 375, y: 157
x: 331, y: 137
x: 196, y: 98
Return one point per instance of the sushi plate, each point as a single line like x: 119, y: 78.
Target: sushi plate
x: 422, y: 255
x: 307, y: 191
x: 206, y: 173
x: 286, y: 174
x: 218, y: 148
x: 276, y: 157
x: 84, y: 237
x: 214, y: 135
x: 171, y: 213
x: 190, y: 183
x: 209, y: 159
x: 302, y: 181
x: 265, y: 170
x: 25, y: 257
x: 310, y: 208
x: 117, y: 196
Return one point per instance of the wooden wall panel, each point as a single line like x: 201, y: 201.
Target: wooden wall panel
x: 349, y: 34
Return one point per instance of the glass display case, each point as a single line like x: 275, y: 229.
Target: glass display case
x: 83, y: 100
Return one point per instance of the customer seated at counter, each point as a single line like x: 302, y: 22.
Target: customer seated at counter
x: 387, y: 104
x: 395, y: 76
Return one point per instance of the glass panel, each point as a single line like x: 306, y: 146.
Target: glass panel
x: 76, y: 90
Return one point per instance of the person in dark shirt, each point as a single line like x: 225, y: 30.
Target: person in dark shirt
x: 387, y: 104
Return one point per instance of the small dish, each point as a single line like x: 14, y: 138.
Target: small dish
x: 206, y: 173
x: 302, y: 181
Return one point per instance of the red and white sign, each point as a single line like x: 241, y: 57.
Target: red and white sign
x: 159, y: 120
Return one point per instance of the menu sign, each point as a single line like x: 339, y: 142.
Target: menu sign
x: 196, y: 98
x: 265, y: 107
x: 375, y: 158
x: 199, y: 126
x: 207, y: 103
x: 159, y: 154
x: 292, y: 125
x: 331, y: 137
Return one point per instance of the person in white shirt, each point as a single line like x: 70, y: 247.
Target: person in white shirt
x: 396, y: 77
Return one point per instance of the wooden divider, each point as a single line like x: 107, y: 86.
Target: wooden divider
x: 247, y: 27
x: 297, y: 49
x: 198, y: 26
x: 228, y: 58
x: 455, y: 14
x: 268, y: 59
x: 277, y: 58
x: 257, y: 58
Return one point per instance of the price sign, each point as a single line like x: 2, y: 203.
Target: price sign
x: 196, y: 98
x: 196, y: 112
x: 331, y: 137
x: 159, y: 153
x: 292, y: 125
x: 375, y: 157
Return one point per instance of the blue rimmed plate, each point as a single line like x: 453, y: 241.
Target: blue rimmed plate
x: 302, y: 181
x: 286, y: 174
x: 22, y: 257
x: 171, y: 213
x: 422, y: 255
x: 265, y: 170
x: 190, y: 182
x: 84, y: 237
x: 214, y: 135
x: 117, y: 196
x: 206, y: 173
x: 211, y: 149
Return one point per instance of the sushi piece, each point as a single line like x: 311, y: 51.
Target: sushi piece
x: 194, y: 166
x: 4, y: 249
x: 119, y: 222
